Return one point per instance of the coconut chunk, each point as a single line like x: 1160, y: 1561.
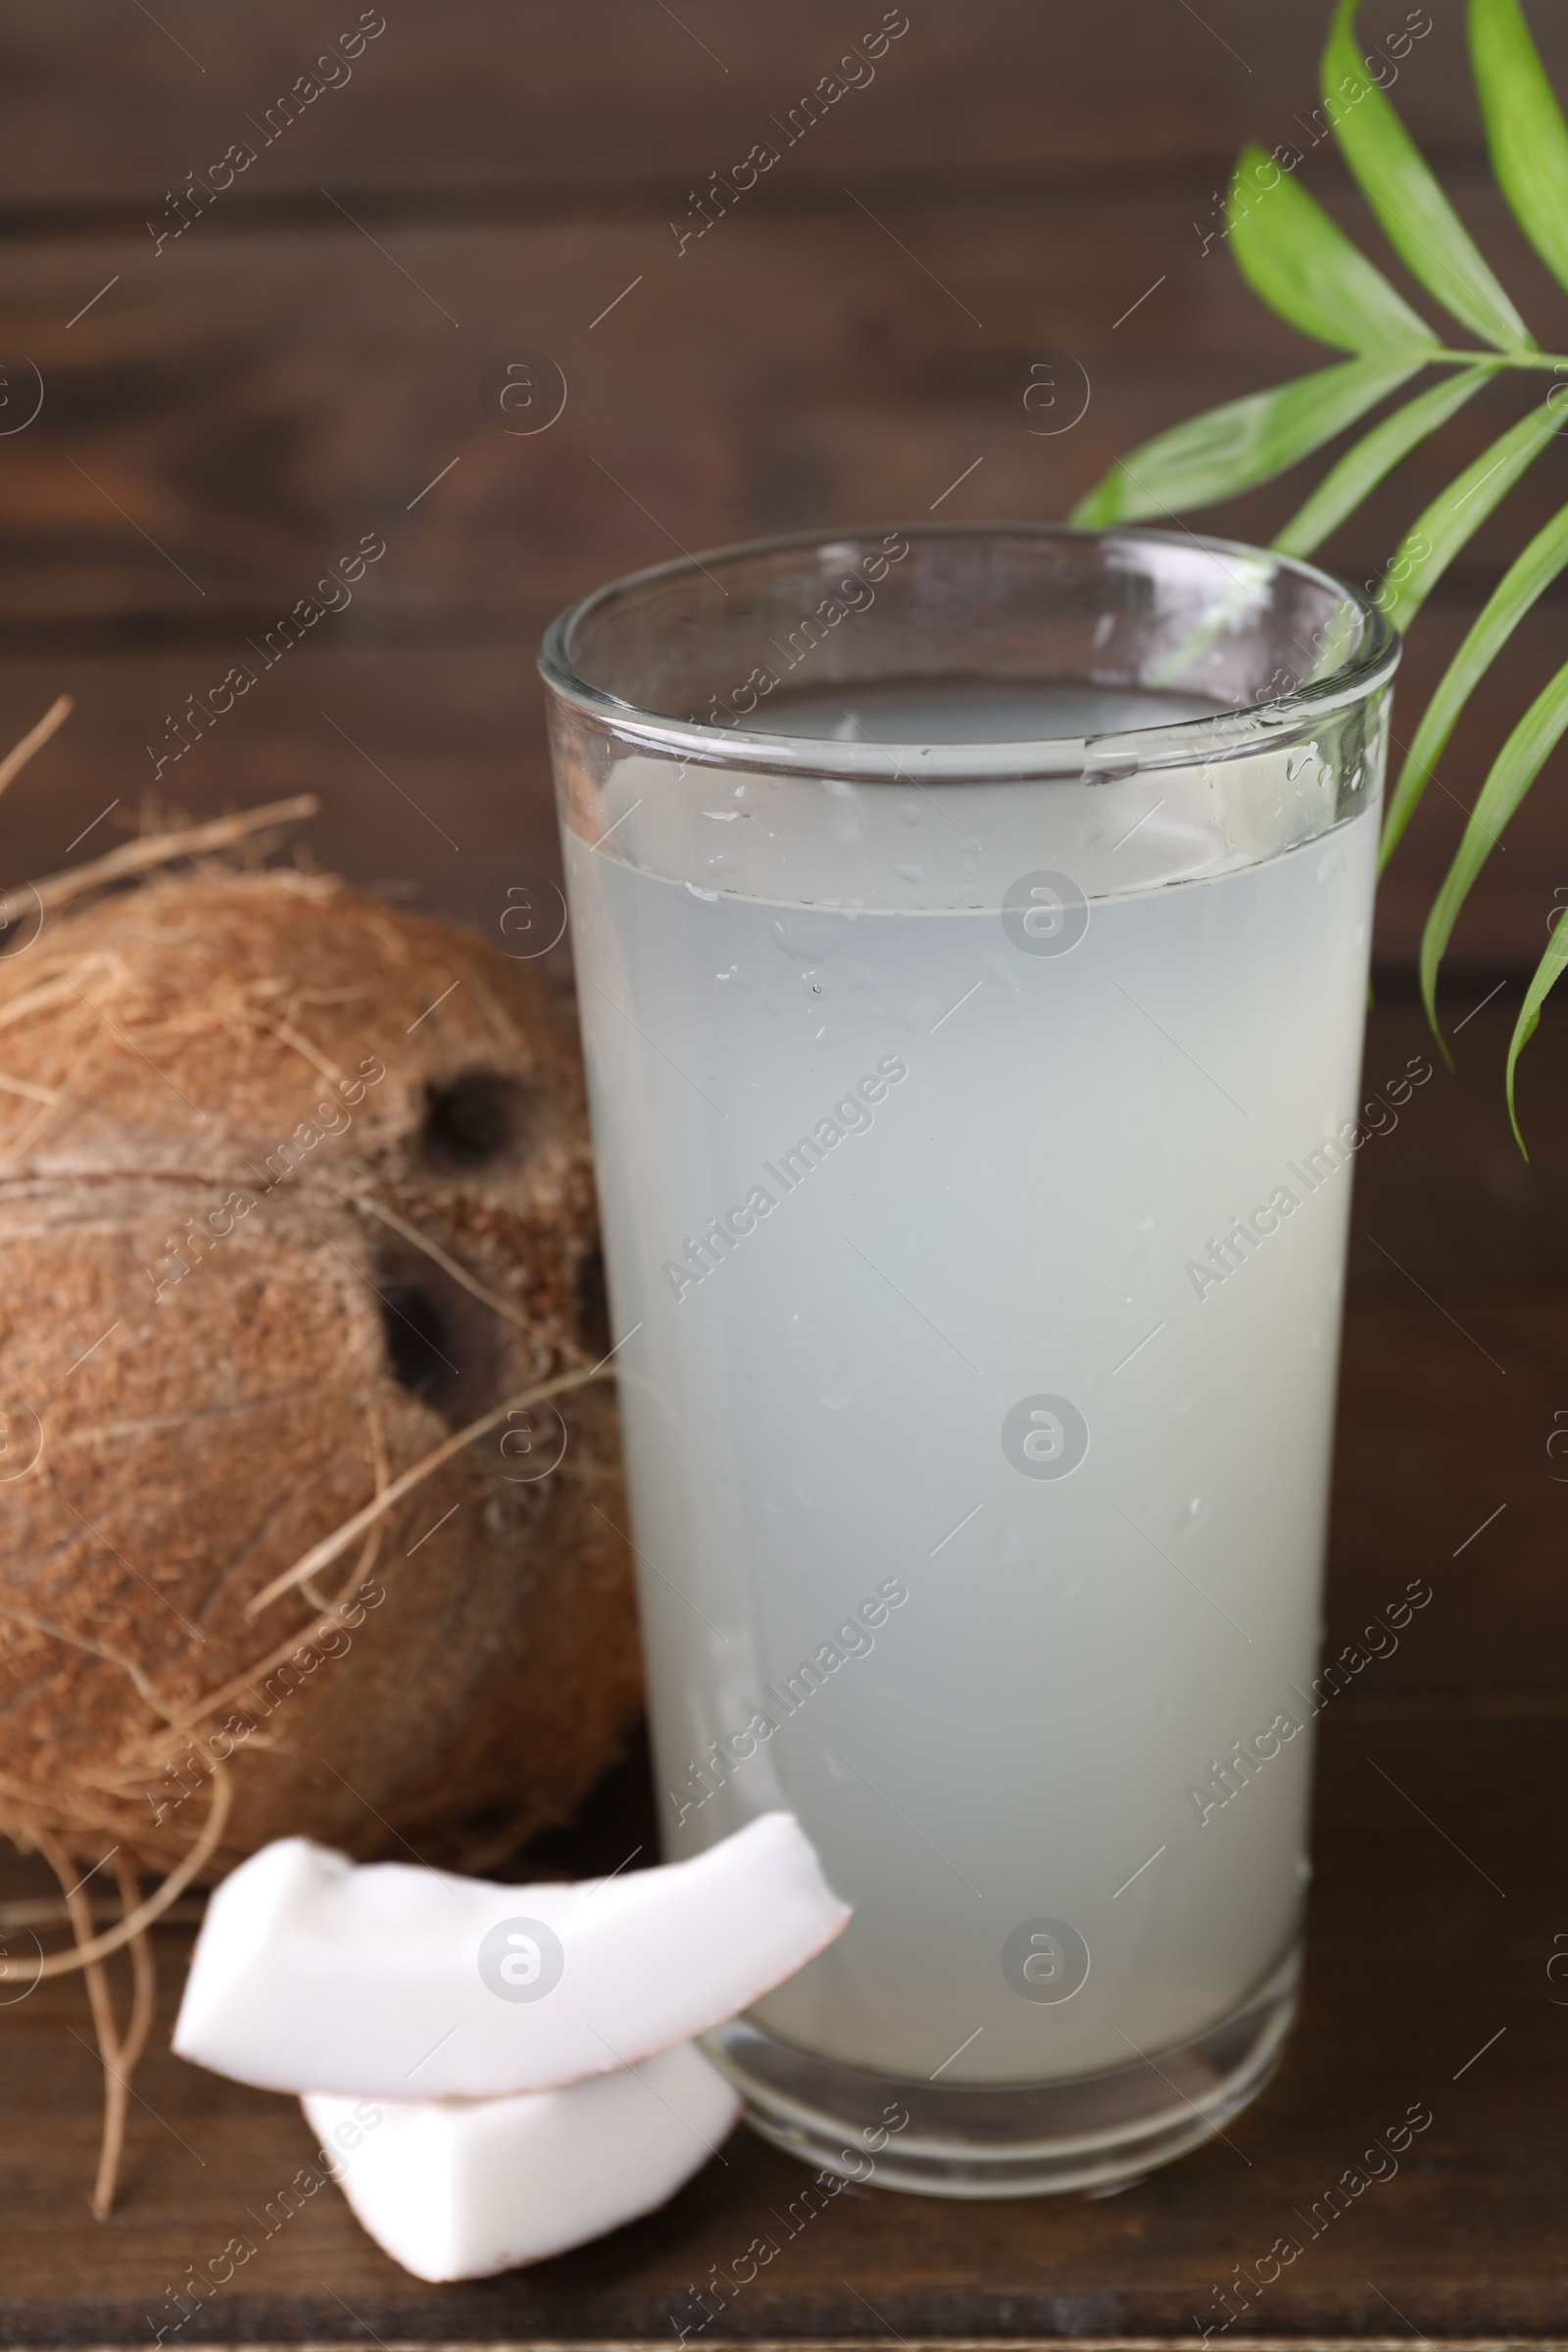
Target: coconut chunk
x: 459, y: 2189
x: 312, y: 1974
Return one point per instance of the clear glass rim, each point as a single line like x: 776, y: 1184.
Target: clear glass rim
x: 1193, y: 742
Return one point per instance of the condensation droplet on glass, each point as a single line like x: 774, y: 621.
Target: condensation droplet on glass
x: 1191, y: 1516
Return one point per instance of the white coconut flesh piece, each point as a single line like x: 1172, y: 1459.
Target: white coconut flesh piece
x: 313, y: 1974
x: 459, y: 2189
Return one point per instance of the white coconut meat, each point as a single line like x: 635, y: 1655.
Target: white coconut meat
x: 312, y: 1974
x: 459, y: 2189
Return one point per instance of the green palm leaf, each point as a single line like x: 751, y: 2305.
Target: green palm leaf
x: 1513, y: 771
x: 1454, y: 517
x: 1306, y: 268
x: 1362, y: 468
x: 1308, y: 271
x: 1234, y: 448
x: 1415, y: 215
x: 1524, y: 128
x: 1547, y: 974
x: 1524, y: 582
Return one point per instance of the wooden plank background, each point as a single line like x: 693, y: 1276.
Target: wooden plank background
x: 226, y: 410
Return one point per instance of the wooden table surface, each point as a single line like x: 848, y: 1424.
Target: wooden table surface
x: 1442, y: 1895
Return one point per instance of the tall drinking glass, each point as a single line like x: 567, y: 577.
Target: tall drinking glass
x: 971, y: 929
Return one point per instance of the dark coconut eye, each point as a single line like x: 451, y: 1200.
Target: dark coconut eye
x: 419, y: 1345
x: 476, y: 1120
x: 443, y: 1345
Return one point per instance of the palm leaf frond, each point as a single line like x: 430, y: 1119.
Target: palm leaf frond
x: 1413, y: 213
x: 1549, y: 972
x: 1306, y: 267
x: 1526, y: 579
x: 1362, y: 468
x: 1513, y: 771
x: 1246, y: 442
x: 1524, y: 128
x: 1456, y: 513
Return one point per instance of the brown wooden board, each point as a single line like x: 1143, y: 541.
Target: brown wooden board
x: 1442, y: 1895
x: 225, y: 421
x: 117, y: 105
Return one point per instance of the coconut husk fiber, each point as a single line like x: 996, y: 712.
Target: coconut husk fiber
x: 295, y: 1191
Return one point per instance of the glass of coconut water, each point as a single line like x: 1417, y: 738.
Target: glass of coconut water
x: 972, y: 927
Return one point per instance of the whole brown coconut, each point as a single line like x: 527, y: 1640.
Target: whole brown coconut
x: 292, y: 1189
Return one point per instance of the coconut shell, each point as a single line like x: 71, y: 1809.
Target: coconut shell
x: 292, y: 1188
